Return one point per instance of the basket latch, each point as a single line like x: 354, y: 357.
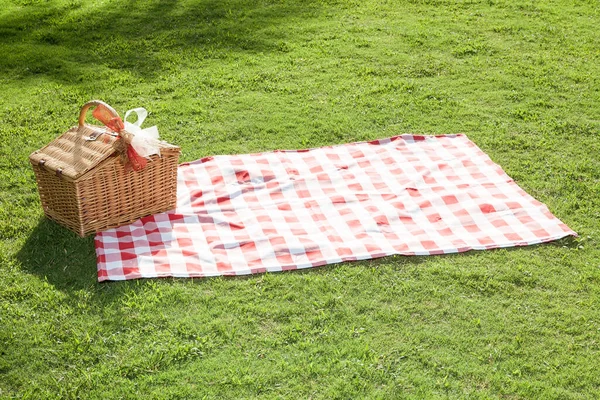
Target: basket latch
x: 95, y: 135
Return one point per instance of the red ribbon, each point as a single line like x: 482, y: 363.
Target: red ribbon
x: 103, y: 115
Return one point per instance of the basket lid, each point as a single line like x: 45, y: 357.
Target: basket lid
x: 73, y: 153
x: 83, y: 147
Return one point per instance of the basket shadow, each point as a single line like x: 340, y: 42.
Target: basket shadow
x: 65, y: 260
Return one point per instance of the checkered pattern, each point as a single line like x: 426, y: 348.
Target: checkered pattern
x: 286, y: 210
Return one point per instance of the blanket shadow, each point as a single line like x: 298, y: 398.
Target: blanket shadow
x: 65, y: 260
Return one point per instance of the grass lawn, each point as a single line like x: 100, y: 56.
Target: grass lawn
x: 520, y: 78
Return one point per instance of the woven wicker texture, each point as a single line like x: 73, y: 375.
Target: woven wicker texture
x: 84, y: 185
x: 72, y: 154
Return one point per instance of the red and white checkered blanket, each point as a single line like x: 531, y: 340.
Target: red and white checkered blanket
x: 285, y: 210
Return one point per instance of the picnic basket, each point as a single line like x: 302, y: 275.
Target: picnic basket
x: 86, y: 185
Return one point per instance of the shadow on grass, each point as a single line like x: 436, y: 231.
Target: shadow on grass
x: 70, y: 41
x: 52, y: 252
x: 68, y: 262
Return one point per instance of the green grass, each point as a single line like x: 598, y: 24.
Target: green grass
x: 520, y: 78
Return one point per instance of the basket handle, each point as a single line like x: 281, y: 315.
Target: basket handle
x: 94, y: 103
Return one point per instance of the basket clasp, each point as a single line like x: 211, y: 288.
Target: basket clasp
x: 94, y: 135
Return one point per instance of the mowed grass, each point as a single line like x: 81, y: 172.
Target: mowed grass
x: 520, y: 78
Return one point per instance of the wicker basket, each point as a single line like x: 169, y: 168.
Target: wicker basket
x: 85, y: 187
